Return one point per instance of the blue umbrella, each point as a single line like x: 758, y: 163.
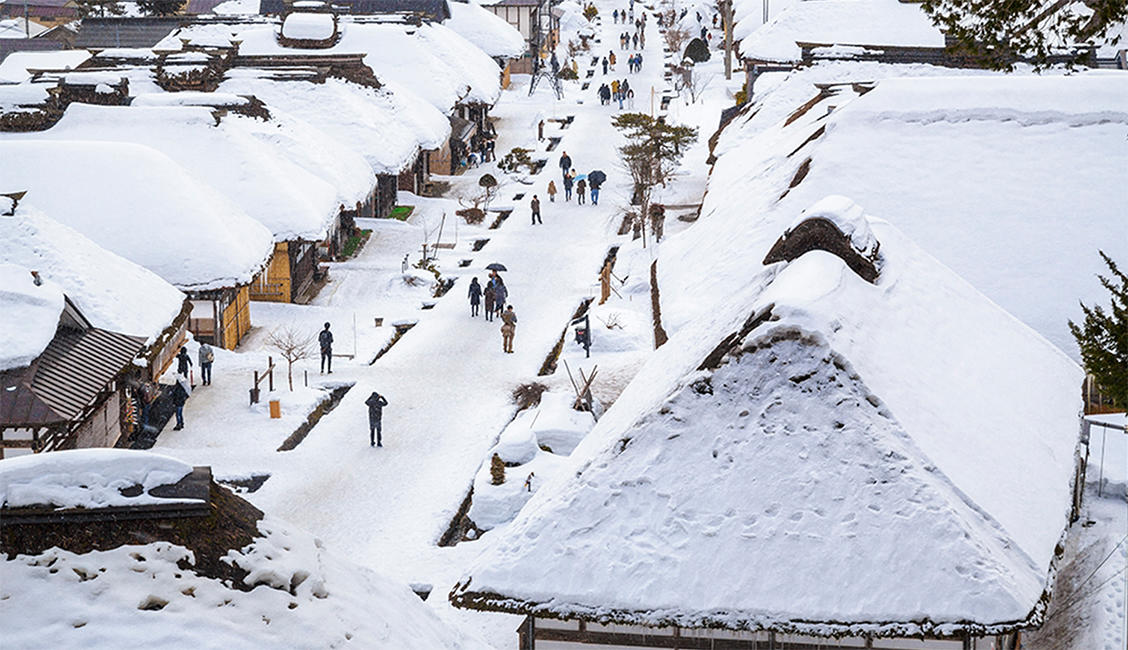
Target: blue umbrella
x: 580, y: 178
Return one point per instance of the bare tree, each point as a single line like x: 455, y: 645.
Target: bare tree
x: 293, y: 346
x: 675, y: 36
x: 692, y: 82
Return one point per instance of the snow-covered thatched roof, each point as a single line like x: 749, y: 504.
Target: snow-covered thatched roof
x: 112, y: 292
x: 139, y: 204
x: 387, y: 128
x: 17, y: 66
x: 485, y: 29
x: 29, y: 314
x: 234, y: 156
x: 431, y: 60
x: 231, y: 579
x: 947, y: 159
x: 818, y: 454
x: 846, y: 22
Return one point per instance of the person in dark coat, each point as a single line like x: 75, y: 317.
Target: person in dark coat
x: 594, y: 189
x: 489, y: 295
x: 565, y: 163
x: 535, y: 205
x: 325, y: 339
x: 183, y: 362
x: 475, y: 296
x: 179, y: 397
x: 500, y: 295
x: 376, y: 404
x: 581, y: 190
x: 540, y: 130
x: 567, y: 186
x: 604, y: 65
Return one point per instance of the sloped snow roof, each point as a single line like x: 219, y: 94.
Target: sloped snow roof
x: 138, y: 203
x: 907, y: 442
x: 289, y: 200
x: 948, y: 159
x: 387, y: 128
x: 110, y: 291
x: 29, y: 314
x: 14, y: 68
x: 850, y: 22
x: 488, y: 31
x: 431, y: 60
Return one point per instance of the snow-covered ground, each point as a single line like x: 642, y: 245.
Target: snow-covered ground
x: 447, y: 380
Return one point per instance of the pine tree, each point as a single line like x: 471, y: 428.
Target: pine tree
x: 161, y: 7
x: 651, y: 154
x: 497, y: 470
x: 1103, y: 336
x: 1000, y: 33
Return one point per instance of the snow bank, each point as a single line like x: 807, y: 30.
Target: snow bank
x: 29, y: 314
x: 310, y: 598
x: 86, y: 478
x: 487, y: 31
x: 110, y: 291
x: 843, y: 433
x: 17, y: 66
x: 141, y: 205
x: 848, y: 22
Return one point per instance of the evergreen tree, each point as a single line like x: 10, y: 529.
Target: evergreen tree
x: 998, y: 33
x: 1103, y: 336
x: 651, y: 154
x: 497, y: 470
x: 161, y: 7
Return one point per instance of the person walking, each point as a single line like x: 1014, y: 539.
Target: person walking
x: 635, y: 39
x: 475, y: 295
x: 149, y: 393
x: 611, y: 59
x: 183, y: 362
x: 615, y: 16
x: 180, y: 392
x: 489, y: 295
x: 567, y: 186
x: 594, y: 183
x: 615, y: 89
x: 508, y: 329
x: 207, y: 357
x: 565, y: 163
x: 581, y: 190
x: 622, y: 93
x: 604, y: 95
x: 604, y: 65
x: 552, y: 191
x: 501, y: 293
x: 325, y: 340
x: 535, y: 205
x: 540, y: 131
x: 376, y: 404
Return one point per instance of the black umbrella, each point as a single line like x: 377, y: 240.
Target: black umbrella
x: 496, y: 267
x: 597, y: 177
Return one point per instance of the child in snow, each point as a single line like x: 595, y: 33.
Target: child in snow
x: 508, y: 329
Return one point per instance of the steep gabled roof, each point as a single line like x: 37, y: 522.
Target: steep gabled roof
x: 124, y: 32
x: 777, y: 465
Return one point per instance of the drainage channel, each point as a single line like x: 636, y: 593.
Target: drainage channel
x: 583, y: 87
x: 549, y: 365
x: 554, y: 142
x: 502, y: 215
x: 244, y: 485
x: 479, y: 244
x: 326, y: 405
x: 538, y: 165
x: 401, y: 329
x: 520, y: 195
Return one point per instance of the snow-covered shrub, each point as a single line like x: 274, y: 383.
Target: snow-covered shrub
x: 497, y: 470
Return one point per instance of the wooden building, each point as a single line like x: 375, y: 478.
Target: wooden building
x: 74, y: 394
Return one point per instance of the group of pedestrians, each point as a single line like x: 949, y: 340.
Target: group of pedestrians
x: 494, y: 296
x: 617, y: 91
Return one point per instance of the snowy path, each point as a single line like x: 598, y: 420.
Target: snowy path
x: 447, y: 381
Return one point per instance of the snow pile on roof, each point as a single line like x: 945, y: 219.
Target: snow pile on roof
x: 573, y: 24
x: 86, y: 478
x: 309, y: 26
x: 189, y: 98
x: 304, y: 597
x: 16, y: 66
x: 486, y: 30
x: 431, y: 59
x: 290, y: 201
x: 29, y: 314
x: 814, y: 429
x: 387, y: 128
x: 110, y: 291
x: 138, y: 203
x: 20, y: 28
x: 978, y: 204
x: 846, y: 22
